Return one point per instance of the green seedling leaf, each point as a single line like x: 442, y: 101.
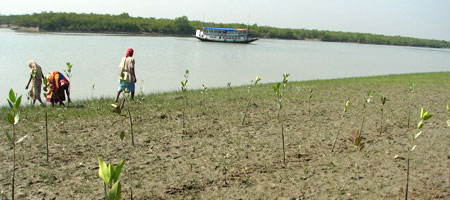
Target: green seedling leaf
x: 257, y: 79
x: 448, y: 123
x: 111, y: 172
x: 448, y: 108
x: 117, y: 171
x: 114, y: 105
x: 427, y: 116
x: 421, y: 113
x: 17, y: 103
x: 114, y: 193
x: 103, y: 171
x: 420, y: 124
x: 347, y: 103
x: 21, y: 139
x: 414, y: 147
x: 10, y: 118
x: 412, y: 87
x: 12, y: 96
x: 417, y: 134
x: 16, y: 119
x: 383, y: 100
x: 8, y: 137
x: 122, y: 135
x: 11, y: 105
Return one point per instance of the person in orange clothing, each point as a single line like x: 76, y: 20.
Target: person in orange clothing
x: 57, y: 85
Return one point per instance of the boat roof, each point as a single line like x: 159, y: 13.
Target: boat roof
x: 224, y: 29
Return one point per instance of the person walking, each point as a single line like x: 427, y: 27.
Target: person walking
x: 127, y: 82
x: 36, y: 82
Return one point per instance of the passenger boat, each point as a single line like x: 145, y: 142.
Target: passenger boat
x: 231, y: 35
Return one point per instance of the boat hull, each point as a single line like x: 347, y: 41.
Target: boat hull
x: 248, y: 40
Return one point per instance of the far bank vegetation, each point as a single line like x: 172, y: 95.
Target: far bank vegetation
x: 124, y: 23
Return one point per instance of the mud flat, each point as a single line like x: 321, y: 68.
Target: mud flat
x: 218, y: 158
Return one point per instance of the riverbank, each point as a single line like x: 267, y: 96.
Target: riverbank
x: 88, y: 23
x: 218, y: 157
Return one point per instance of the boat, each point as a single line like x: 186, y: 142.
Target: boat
x: 229, y: 35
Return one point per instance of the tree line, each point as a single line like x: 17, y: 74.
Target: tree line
x: 124, y: 23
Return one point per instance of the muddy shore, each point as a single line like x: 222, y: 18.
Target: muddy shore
x: 218, y: 158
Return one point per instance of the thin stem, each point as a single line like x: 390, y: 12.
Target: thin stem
x: 335, y: 139
x: 409, y: 116
x: 357, y: 169
x: 381, y: 121
x: 284, y: 151
x: 14, y: 161
x: 104, y: 189
x: 131, y: 188
x: 407, y: 177
x: 246, y: 109
x: 362, y: 124
x: 131, y: 127
x: 46, y: 133
x: 309, y: 107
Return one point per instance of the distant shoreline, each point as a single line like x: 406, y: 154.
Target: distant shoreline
x: 154, y: 34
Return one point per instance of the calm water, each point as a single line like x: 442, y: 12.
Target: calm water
x: 161, y: 61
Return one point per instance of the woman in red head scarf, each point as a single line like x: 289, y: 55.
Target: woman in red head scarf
x: 127, y: 77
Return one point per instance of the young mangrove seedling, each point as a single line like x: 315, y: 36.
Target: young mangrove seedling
x: 92, y: 91
x: 309, y: 101
x: 424, y: 116
x: 204, y: 91
x: 383, y: 101
x: 448, y: 135
x: 118, y: 108
x: 279, y: 93
x: 68, y: 72
x: 250, y: 95
x: 13, y: 119
x: 412, y: 89
x: 184, y: 90
x: 358, y: 145
x: 142, y: 91
x: 370, y: 94
x: 110, y: 176
x: 346, y: 106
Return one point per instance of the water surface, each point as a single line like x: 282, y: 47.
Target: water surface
x: 161, y: 61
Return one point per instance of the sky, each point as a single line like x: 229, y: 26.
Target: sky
x: 429, y: 19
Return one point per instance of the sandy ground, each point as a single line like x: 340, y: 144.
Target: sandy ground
x: 218, y: 158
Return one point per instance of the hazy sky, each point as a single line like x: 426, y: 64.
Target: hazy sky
x: 417, y: 18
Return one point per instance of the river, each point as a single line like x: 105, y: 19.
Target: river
x: 161, y: 61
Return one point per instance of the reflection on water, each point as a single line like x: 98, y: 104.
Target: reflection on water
x: 161, y: 61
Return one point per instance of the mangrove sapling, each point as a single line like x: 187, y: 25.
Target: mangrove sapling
x: 46, y: 121
x: 346, y: 105
x: 92, y: 91
x: 250, y: 94
x: 412, y: 89
x: 110, y: 176
x: 13, y: 119
x: 448, y: 135
x: 204, y: 91
x: 370, y: 94
x: 278, y: 91
x: 357, y: 143
x: 184, y: 90
x: 309, y: 101
x: 118, y: 108
x: 68, y: 72
x: 424, y: 116
x: 142, y: 91
x: 383, y: 101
